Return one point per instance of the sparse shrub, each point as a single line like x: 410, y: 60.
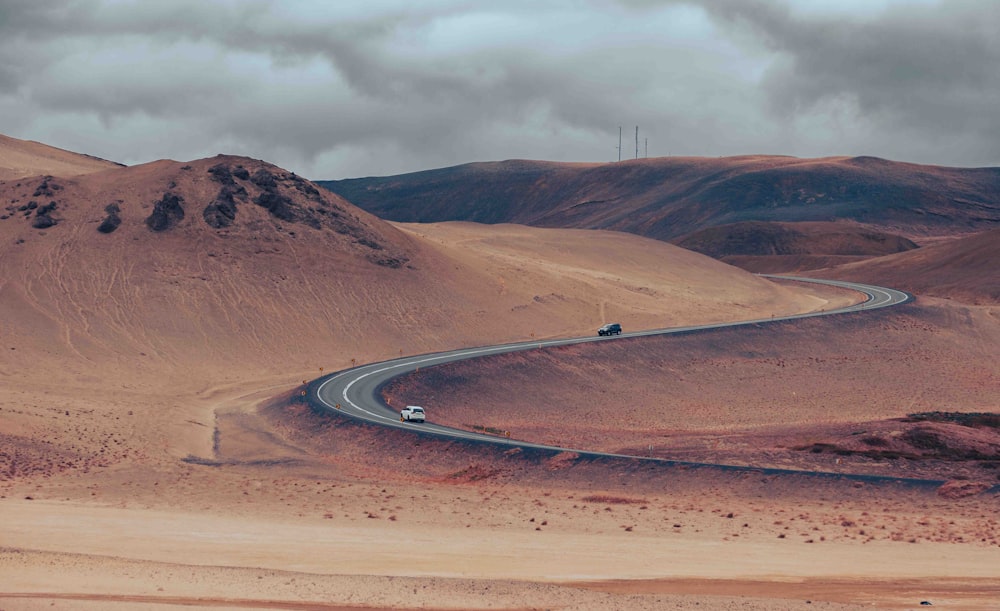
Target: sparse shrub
x: 221, y: 173
x: 370, y: 243
x: 43, y: 188
x: 970, y: 419
x: 43, y: 221
x: 275, y: 203
x: 613, y: 500
x: 264, y: 179
x: 874, y: 441
x: 166, y: 213
x: 391, y: 262
x: 222, y: 211
x: 112, y: 220
x: 924, y: 439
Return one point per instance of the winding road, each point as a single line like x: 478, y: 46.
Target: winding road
x: 355, y: 392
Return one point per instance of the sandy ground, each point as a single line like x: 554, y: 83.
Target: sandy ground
x: 153, y: 456
x: 23, y: 158
x: 288, y: 510
x: 717, y: 396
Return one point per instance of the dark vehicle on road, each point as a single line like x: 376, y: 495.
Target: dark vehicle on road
x: 613, y: 328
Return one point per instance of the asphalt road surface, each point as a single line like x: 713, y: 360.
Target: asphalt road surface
x: 355, y: 392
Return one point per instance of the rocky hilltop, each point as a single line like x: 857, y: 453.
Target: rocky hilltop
x: 223, y: 196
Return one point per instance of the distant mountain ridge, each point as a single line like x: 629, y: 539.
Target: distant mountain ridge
x: 666, y: 198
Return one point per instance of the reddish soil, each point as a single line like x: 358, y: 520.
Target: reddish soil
x: 963, y: 269
x: 814, y: 394
x: 666, y: 198
x: 153, y: 453
x: 792, y: 247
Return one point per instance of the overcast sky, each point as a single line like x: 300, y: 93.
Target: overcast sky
x: 338, y: 89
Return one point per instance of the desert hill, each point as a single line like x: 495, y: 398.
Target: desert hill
x: 22, y: 158
x: 963, y: 268
x: 764, y: 247
x: 156, y: 322
x: 177, y: 263
x: 173, y: 279
x: 757, y: 395
x: 183, y: 263
x: 666, y: 198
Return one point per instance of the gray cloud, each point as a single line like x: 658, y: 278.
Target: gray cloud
x: 921, y: 74
x: 343, y: 89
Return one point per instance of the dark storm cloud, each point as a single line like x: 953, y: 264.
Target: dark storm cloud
x: 907, y: 62
x: 927, y: 69
x: 342, y: 89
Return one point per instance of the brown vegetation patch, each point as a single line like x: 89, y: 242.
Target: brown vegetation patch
x: 222, y: 211
x: 958, y: 489
x: 24, y: 458
x: 168, y: 211
x: 969, y: 419
x: 112, y: 220
x: 608, y: 499
x: 917, y: 439
x: 757, y: 239
x: 476, y: 473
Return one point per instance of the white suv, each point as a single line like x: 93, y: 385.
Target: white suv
x: 411, y: 413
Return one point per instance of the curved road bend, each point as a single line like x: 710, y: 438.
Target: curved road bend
x: 355, y: 392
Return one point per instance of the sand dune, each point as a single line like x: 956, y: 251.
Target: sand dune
x: 24, y: 158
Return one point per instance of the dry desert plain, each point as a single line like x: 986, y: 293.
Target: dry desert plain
x: 155, y: 455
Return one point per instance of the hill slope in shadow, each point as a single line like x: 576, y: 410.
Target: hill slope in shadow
x: 666, y: 198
